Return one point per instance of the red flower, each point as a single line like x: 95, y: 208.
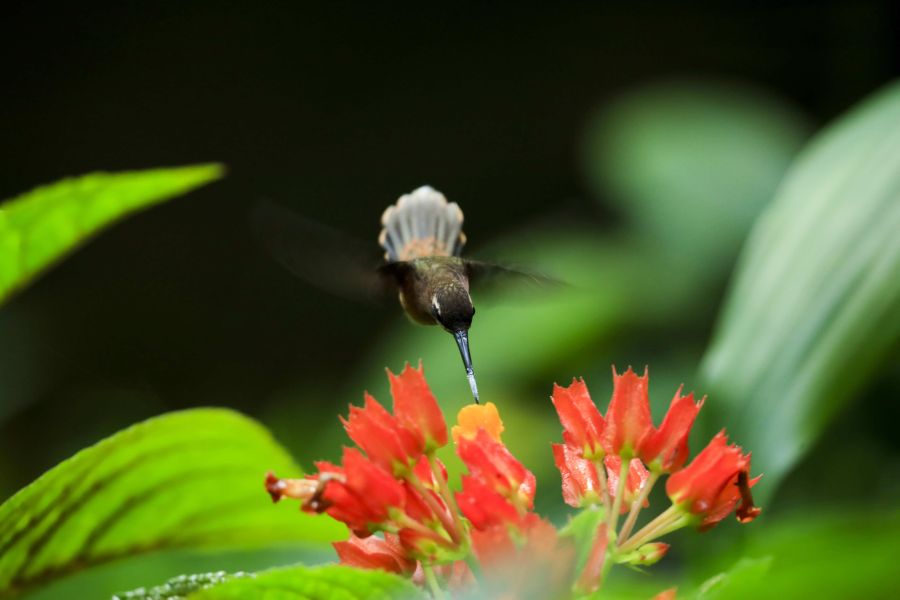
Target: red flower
x: 491, y: 462
x: 484, y: 506
x: 665, y: 450
x: 738, y: 489
x: 637, y: 478
x: 583, y: 426
x: 495, y: 546
x: 423, y: 471
x: 375, y: 553
x: 417, y: 508
x: 382, y: 437
x: 361, y: 495
x: 580, y: 485
x: 713, y: 483
x: 628, y: 417
x: 416, y: 408
x: 424, y: 544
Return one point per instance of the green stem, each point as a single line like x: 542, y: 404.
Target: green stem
x: 636, y: 507
x: 608, y: 559
x: 436, y: 592
x: 474, y: 565
x: 671, y: 519
x: 407, y: 522
x: 600, y: 467
x: 617, y: 501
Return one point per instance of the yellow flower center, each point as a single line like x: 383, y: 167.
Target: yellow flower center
x: 473, y: 417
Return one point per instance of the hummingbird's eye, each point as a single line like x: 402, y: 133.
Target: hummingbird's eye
x: 435, y: 307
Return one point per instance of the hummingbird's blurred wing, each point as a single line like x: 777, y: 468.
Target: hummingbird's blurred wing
x: 322, y: 256
x: 487, y: 275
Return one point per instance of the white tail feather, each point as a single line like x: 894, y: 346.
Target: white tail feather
x: 421, y: 223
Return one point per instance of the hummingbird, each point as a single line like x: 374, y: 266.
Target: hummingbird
x: 422, y: 237
x: 422, y: 240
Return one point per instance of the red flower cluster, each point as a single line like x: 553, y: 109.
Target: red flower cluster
x: 393, y: 485
x: 396, y: 486
x: 594, y: 472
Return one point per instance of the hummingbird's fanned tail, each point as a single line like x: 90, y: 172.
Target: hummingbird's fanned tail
x: 421, y: 223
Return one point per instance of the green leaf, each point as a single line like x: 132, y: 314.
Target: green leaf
x: 815, y: 306
x: 582, y: 529
x: 38, y: 227
x: 179, y: 587
x: 315, y: 583
x: 186, y: 479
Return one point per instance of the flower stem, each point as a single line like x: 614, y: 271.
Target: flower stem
x: 617, y: 501
x: 439, y: 511
x: 668, y: 521
x: 406, y: 522
x: 446, y: 493
x: 600, y: 467
x: 474, y: 566
x: 436, y: 592
x: 636, y: 507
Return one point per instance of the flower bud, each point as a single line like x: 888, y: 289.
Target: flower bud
x: 646, y: 555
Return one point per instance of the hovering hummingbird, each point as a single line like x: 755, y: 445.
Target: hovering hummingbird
x: 422, y: 239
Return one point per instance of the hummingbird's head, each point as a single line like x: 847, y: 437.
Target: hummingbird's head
x: 452, y: 307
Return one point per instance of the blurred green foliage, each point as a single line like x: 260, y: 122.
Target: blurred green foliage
x: 690, y: 164
x: 830, y: 555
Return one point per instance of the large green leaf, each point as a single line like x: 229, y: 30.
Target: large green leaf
x: 816, y: 301
x: 38, y: 227
x: 186, y: 479
x: 317, y: 583
x: 178, y: 587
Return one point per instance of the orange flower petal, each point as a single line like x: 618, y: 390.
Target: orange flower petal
x: 416, y: 407
x: 628, y: 418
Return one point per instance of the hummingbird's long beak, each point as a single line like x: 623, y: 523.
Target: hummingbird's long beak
x: 462, y: 340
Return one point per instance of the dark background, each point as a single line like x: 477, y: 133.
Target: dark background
x: 335, y: 110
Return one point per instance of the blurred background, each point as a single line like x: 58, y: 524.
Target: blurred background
x: 624, y: 147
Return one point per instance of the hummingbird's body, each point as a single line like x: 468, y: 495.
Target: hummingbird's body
x: 422, y: 239
x: 429, y: 280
